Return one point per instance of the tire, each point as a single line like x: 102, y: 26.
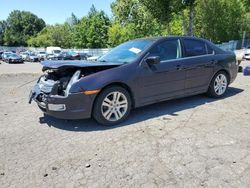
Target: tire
x: 240, y: 69
x: 116, y: 111
x: 219, y: 85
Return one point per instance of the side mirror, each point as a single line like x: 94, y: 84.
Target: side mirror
x: 153, y: 60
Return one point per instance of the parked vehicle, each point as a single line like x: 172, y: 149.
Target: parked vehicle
x: 69, y: 56
x: 32, y: 57
x: 41, y: 55
x: 92, y: 58
x: 53, y: 53
x: 84, y: 56
x: 134, y: 74
x: 1, y: 53
x: 14, y: 58
x: 24, y: 55
x: 5, y: 55
x: 247, y: 53
x: 50, y: 49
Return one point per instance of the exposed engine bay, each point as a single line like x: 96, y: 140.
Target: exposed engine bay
x: 58, y: 81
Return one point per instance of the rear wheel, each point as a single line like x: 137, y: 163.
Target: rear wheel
x: 112, y: 106
x: 218, y: 85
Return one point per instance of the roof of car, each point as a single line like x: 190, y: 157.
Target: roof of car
x: 170, y: 37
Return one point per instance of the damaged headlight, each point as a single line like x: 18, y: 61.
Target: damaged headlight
x: 73, y: 79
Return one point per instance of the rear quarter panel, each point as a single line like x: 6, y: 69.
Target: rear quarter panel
x: 227, y: 62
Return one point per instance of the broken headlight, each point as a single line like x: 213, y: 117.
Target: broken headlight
x: 73, y: 79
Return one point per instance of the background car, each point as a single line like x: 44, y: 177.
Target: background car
x: 54, y: 55
x: 41, y: 55
x: 24, y: 55
x: 14, y: 58
x: 84, y: 56
x: 5, y: 55
x: 32, y: 57
x: 134, y: 74
x: 1, y: 53
x: 247, y: 53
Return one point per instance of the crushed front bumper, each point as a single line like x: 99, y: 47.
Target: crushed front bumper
x: 73, y: 106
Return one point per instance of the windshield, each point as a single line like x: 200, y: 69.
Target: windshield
x: 57, y: 51
x: 13, y: 55
x: 126, y: 52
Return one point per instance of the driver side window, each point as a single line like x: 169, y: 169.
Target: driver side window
x: 167, y: 50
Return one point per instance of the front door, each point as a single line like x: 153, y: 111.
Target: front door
x: 164, y: 80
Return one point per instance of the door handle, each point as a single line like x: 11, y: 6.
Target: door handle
x: 180, y: 67
x: 213, y: 62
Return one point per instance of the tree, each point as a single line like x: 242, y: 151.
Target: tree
x: 92, y: 31
x: 118, y: 34
x: 57, y: 35
x: 220, y: 20
x: 21, y: 25
x: 190, y: 4
x: 160, y: 9
x: 73, y: 20
x: 131, y: 20
x: 3, y: 26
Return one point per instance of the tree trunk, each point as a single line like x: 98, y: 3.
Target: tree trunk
x: 191, y: 20
x: 184, y: 22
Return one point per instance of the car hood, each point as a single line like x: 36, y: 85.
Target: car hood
x: 67, y: 64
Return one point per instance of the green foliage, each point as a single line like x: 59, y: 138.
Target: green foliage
x: 216, y: 20
x: 57, y: 35
x: 118, y: 34
x: 220, y: 20
x: 132, y: 20
x: 92, y: 31
x: 21, y: 25
x: 3, y: 26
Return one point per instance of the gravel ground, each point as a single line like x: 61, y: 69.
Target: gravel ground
x: 191, y: 142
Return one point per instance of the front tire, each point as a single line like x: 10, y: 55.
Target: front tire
x: 112, y: 106
x: 218, y: 85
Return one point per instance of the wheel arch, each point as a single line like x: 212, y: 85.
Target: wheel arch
x: 120, y: 84
x: 222, y: 70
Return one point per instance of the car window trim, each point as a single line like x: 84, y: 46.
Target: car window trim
x: 184, y: 58
x: 185, y: 50
x: 180, y: 49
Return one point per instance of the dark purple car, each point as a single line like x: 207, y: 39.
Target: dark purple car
x: 134, y: 74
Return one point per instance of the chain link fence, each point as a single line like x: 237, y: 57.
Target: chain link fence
x: 92, y: 52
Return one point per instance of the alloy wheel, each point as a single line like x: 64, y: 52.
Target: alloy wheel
x: 114, y: 106
x: 220, y: 84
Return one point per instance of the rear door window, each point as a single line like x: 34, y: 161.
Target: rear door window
x: 194, y: 47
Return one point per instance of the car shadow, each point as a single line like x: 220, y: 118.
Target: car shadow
x: 137, y: 115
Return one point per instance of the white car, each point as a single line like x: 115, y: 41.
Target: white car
x: 24, y: 55
x: 93, y: 58
x: 247, y: 53
x: 41, y: 55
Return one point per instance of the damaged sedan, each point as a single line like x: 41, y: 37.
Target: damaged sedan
x: 134, y: 74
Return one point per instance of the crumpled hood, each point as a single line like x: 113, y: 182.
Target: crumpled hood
x: 64, y: 64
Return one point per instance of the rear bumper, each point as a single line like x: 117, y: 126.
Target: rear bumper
x: 233, y: 73
x: 76, y: 106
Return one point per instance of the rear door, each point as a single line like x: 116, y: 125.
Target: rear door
x: 199, y: 61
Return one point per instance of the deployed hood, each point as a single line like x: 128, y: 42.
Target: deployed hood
x: 70, y: 64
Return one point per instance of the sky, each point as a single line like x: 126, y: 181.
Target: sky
x: 53, y: 11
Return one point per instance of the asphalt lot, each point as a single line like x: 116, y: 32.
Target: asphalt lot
x: 191, y: 142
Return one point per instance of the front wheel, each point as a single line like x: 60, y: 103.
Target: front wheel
x: 112, y: 106
x: 218, y: 85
